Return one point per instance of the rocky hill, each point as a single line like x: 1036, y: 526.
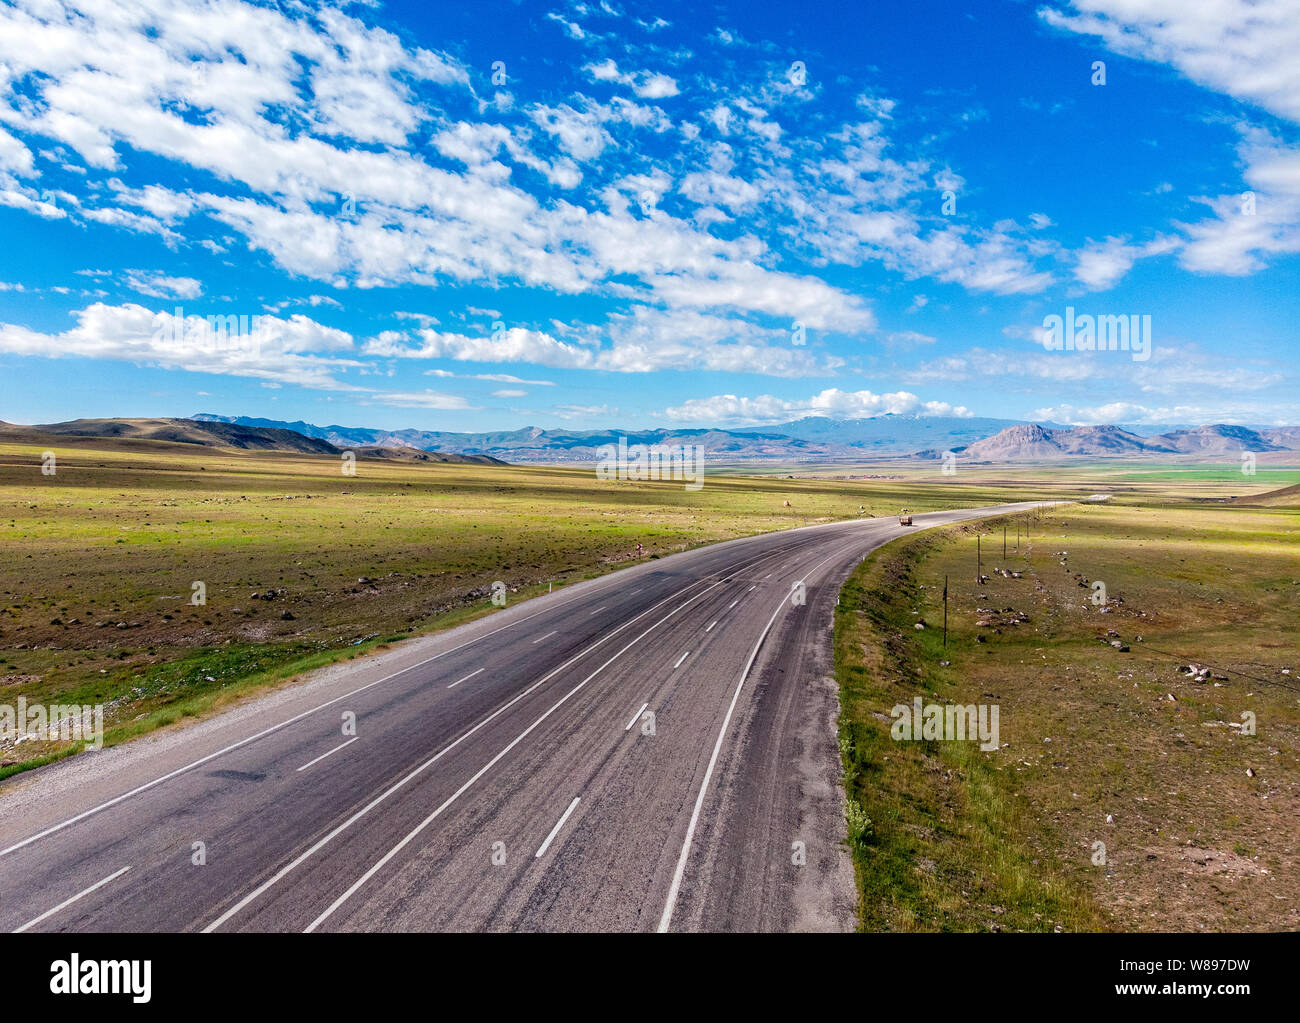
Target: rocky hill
x: 1031, y: 443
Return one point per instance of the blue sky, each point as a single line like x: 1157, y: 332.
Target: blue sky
x: 490, y: 215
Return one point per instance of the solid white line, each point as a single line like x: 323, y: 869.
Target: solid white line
x: 466, y: 678
x: 635, y: 717
x: 711, y: 625
x: 414, y: 833
x: 556, y: 830
x: 680, y: 659
x: 547, y: 636
x: 68, y: 902
x: 349, y: 742
x: 665, y: 921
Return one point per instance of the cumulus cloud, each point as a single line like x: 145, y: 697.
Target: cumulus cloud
x: 239, y: 344
x: 1099, y: 266
x: 518, y: 344
x: 735, y: 410
x: 421, y: 399
x: 1245, y: 48
x: 642, y: 340
x: 1129, y: 413
x: 157, y: 284
x: 646, y: 84
x: 1260, y: 222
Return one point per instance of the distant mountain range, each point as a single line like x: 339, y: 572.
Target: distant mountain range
x: 213, y: 432
x: 819, y: 439
x: 813, y: 438
x: 804, y: 440
x: 1029, y: 442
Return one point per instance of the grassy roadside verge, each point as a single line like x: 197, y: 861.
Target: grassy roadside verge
x: 1128, y: 793
x: 939, y: 841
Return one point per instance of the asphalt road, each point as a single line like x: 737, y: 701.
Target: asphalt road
x: 652, y: 750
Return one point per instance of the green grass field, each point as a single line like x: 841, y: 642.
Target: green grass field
x: 1200, y: 821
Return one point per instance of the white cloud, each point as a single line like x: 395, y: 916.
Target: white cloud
x: 746, y: 286
x: 1194, y: 415
x: 570, y: 411
x: 518, y: 344
x: 642, y: 340
x: 571, y: 28
x: 730, y: 409
x: 1245, y: 48
x: 1100, y: 265
x: 980, y: 363
x: 420, y: 399
x: 1261, y: 221
x: 646, y: 84
x: 579, y: 132
x: 262, y: 347
x: 157, y: 284
x: 498, y: 378
x: 14, y: 156
x: 908, y: 339
x: 164, y: 204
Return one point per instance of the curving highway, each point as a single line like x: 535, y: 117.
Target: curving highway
x: 651, y: 750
